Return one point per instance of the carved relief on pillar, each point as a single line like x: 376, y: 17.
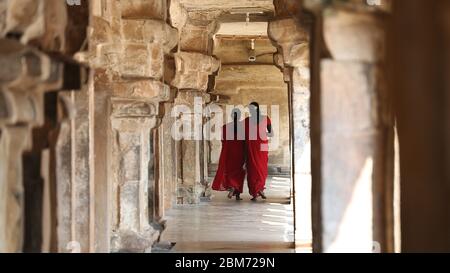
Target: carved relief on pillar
x: 193, y: 70
x: 131, y: 125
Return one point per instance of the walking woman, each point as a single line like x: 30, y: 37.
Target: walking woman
x: 230, y: 173
x: 258, y: 129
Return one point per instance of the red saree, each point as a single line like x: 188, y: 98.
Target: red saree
x: 257, y: 154
x: 230, y: 172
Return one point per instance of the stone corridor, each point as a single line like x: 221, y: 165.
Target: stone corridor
x: 108, y: 107
x: 223, y: 225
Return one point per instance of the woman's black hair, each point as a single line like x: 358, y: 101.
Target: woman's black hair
x: 257, y: 110
x: 235, y: 112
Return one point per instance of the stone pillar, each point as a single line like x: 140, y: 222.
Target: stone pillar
x: 191, y: 185
x: 355, y: 122
x: 194, y: 66
x: 419, y: 56
x: 29, y: 74
x: 74, y: 165
x: 291, y: 36
x: 131, y: 125
x: 128, y: 44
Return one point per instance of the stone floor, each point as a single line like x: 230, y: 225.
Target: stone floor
x: 224, y: 225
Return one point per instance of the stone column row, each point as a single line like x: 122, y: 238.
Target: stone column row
x: 193, y: 67
x: 291, y: 35
x: 27, y: 90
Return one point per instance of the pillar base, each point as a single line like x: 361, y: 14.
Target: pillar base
x: 190, y: 195
x: 134, y: 242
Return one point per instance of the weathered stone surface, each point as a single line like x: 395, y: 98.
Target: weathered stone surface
x: 193, y: 69
x: 141, y: 90
x: 350, y: 92
x: 41, y: 20
x: 13, y: 142
x: 227, y: 4
x: 150, y: 31
x: 129, y: 45
x: 144, y: 9
x: 178, y: 14
x: 353, y: 36
x: 288, y: 34
x: 74, y: 174
x: 131, y: 123
x: 198, y: 37
x: 142, y: 61
x: 352, y: 172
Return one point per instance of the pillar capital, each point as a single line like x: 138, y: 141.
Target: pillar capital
x: 193, y: 69
x: 197, y: 32
x: 289, y: 36
x: 352, y: 35
x: 150, y: 31
x: 41, y: 21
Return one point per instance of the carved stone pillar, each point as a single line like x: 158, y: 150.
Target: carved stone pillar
x: 194, y: 66
x: 191, y: 185
x: 355, y: 122
x: 28, y: 74
x: 74, y: 166
x: 131, y: 152
x: 291, y: 36
x: 128, y: 45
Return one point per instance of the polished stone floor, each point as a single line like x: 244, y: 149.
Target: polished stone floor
x: 224, y: 225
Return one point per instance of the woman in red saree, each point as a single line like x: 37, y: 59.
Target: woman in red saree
x: 230, y: 173
x: 258, y: 129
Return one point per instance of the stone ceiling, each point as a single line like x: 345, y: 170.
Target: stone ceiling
x: 234, y: 12
x: 227, y: 5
